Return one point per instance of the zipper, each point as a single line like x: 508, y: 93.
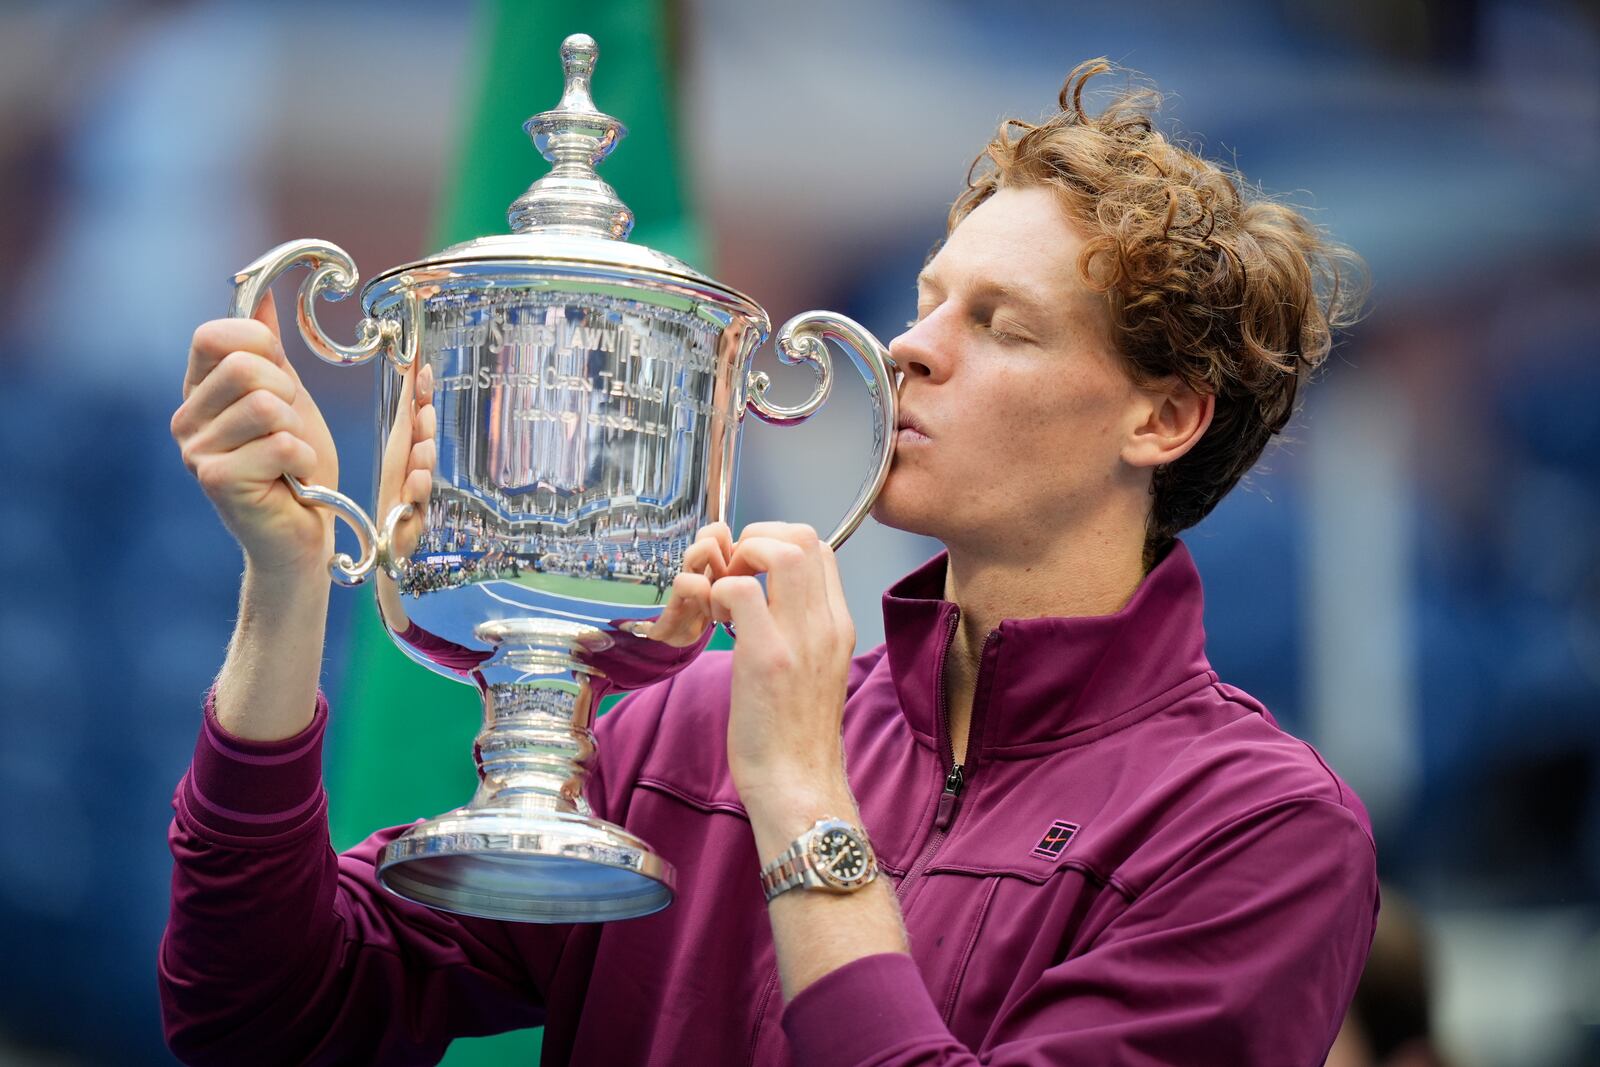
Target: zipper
x: 955, y: 778
x: 952, y: 793
x: 955, y: 781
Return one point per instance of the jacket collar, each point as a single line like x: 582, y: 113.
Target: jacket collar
x: 1051, y: 681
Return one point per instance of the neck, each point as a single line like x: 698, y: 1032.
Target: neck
x: 1096, y: 576
x: 1091, y: 575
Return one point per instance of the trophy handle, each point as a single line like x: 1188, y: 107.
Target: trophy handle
x: 333, y: 276
x: 801, y: 341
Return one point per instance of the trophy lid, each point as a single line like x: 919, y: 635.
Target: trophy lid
x: 571, y: 215
x: 575, y: 137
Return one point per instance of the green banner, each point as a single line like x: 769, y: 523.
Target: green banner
x: 402, y: 736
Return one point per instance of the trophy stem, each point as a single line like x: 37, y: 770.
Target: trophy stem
x: 536, y: 746
x: 527, y: 848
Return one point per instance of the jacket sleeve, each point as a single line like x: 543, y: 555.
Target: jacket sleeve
x: 279, y: 951
x: 1247, y: 953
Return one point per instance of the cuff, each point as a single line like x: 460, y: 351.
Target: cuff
x: 861, y: 1010
x: 255, y: 789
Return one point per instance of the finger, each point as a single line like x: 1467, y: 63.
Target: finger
x: 257, y: 462
x: 796, y: 533
x: 837, y: 605
x: 800, y: 535
x: 795, y: 582
x: 721, y: 533
x: 402, y: 434
x: 425, y: 386
x: 427, y: 425
x: 254, y: 415
x: 691, y: 592
x: 213, y: 341
x: 740, y: 600
x: 762, y: 555
x: 418, y: 487
x: 405, y: 404
x: 266, y: 314
x: 831, y: 579
x: 706, y: 556
x: 688, y: 611
x: 417, y: 373
x: 424, y: 457
x: 235, y: 376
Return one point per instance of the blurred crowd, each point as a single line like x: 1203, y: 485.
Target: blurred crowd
x: 1411, y: 581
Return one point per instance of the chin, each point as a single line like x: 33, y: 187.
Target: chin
x: 883, y: 517
x: 902, y: 511
x: 951, y: 518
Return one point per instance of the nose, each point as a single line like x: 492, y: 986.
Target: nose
x: 916, y: 351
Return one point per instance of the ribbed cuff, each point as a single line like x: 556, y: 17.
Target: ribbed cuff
x: 864, y: 1009
x: 246, y: 788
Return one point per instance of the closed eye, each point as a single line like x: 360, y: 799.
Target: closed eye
x: 1005, y: 336
x: 1000, y: 330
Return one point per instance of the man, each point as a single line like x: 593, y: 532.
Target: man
x: 1092, y: 850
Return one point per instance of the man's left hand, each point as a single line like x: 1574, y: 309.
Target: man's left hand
x: 791, y: 668
x: 791, y: 662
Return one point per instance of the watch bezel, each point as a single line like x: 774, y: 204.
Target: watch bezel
x: 815, y: 860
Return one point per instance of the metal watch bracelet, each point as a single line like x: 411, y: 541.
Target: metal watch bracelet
x: 794, y: 868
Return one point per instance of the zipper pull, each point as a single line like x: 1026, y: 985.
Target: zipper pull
x: 947, y: 800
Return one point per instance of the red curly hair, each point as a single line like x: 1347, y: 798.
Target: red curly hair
x: 1205, y: 279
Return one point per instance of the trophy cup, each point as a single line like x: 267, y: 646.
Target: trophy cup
x: 589, y: 396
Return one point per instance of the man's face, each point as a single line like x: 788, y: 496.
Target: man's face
x: 1017, y: 404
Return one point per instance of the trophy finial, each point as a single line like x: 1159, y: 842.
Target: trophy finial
x: 578, y: 54
x: 575, y: 137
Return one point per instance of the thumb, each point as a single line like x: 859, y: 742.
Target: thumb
x: 267, y: 314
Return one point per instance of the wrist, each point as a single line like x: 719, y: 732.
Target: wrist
x: 292, y: 557
x: 779, y: 818
x: 790, y: 779
x: 305, y: 583
x: 267, y: 688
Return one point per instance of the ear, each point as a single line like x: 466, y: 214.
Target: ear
x: 1171, y: 419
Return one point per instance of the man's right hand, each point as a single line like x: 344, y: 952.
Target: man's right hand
x: 245, y: 421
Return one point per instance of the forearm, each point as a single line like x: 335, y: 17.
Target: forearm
x: 817, y: 932
x: 252, y: 911
x: 268, y: 685
x: 278, y: 951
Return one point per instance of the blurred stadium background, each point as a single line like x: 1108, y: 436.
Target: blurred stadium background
x: 1412, y: 582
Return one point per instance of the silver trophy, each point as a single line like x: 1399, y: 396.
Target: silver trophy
x: 589, y: 396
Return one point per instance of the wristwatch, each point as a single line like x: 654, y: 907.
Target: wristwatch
x: 833, y: 856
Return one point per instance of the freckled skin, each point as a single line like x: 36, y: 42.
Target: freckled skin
x: 1026, y: 431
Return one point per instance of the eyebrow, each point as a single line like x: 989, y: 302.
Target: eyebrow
x: 1025, y: 297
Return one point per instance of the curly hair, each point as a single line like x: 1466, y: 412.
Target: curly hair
x: 1206, y: 279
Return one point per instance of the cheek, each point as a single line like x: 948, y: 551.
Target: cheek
x: 1062, y: 411
x: 1063, y: 430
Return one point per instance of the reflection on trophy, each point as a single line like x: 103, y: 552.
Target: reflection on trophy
x: 589, y: 395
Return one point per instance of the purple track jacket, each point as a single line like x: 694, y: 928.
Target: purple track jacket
x: 1134, y: 866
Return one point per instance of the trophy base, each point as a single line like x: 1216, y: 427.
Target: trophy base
x: 525, y: 865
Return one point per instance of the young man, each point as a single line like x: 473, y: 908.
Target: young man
x: 1091, y: 849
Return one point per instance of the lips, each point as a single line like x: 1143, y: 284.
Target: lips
x: 908, y: 421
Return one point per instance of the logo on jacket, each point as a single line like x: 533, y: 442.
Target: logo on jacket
x: 1055, y: 839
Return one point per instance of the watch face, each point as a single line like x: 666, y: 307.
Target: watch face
x: 839, y: 856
